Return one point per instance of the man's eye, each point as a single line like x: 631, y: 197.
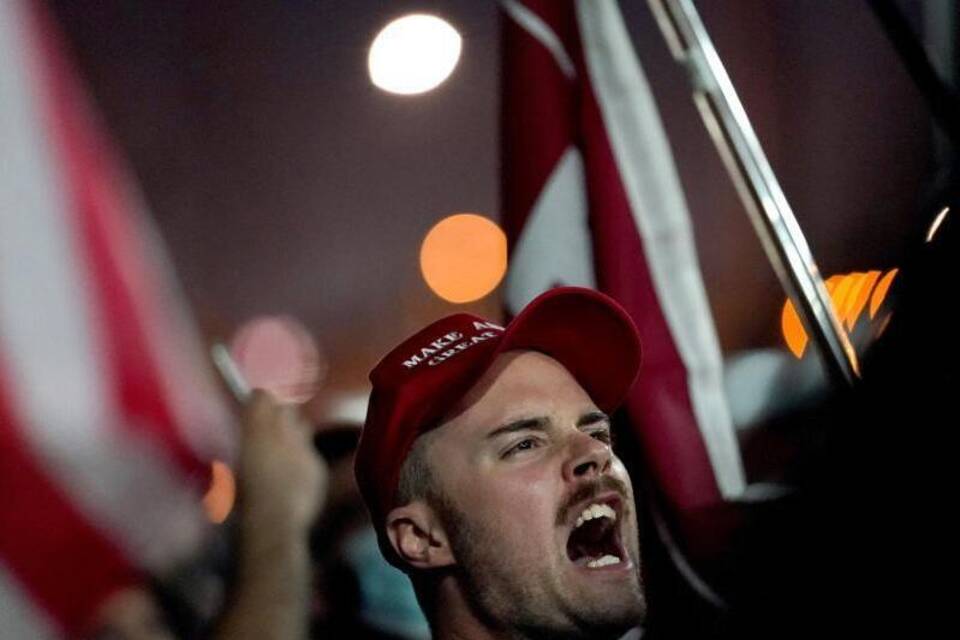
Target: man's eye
x: 524, y: 445
x: 603, y: 436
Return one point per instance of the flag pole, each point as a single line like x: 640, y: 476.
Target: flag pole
x: 766, y: 204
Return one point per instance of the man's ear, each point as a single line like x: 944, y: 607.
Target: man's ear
x: 418, y: 536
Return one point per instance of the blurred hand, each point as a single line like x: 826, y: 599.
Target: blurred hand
x: 283, y: 482
x: 130, y: 614
x: 283, y: 485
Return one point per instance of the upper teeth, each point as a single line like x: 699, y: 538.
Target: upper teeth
x: 596, y: 510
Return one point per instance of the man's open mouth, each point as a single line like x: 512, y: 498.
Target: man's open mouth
x: 595, y: 539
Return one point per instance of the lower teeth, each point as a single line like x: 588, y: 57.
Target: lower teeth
x: 603, y: 561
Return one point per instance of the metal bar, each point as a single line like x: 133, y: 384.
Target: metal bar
x: 766, y: 205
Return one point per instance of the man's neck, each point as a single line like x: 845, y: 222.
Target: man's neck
x: 454, y: 617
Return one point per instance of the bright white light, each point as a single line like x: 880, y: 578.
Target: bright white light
x: 413, y: 54
x: 932, y: 231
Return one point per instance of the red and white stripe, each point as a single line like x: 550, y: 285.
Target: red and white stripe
x: 592, y: 197
x: 107, y: 419
x: 19, y: 616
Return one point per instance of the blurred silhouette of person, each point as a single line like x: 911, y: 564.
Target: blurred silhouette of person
x: 355, y: 589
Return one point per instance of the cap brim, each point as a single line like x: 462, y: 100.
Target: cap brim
x: 588, y: 333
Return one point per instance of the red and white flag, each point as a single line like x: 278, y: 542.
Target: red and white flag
x: 591, y: 197
x: 108, y: 418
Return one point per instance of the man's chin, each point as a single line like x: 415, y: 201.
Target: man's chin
x: 614, y: 626
x: 610, y: 612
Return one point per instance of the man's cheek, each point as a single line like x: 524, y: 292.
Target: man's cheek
x: 529, y: 517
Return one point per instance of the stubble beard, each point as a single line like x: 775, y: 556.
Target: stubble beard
x: 515, y: 601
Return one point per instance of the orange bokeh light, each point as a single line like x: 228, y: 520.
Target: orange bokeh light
x: 792, y: 327
x: 860, y: 296
x: 842, y: 294
x: 222, y: 493
x: 849, y: 294
x: 880, y: 293
x: 463, y: 257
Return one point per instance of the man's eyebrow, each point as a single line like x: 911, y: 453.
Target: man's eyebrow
x: 535, y: 424
x: 591, y: 418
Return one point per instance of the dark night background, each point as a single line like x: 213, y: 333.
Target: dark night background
x: 284, y: 182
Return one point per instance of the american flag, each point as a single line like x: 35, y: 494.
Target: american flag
x: 108, y: 418
x: 591, y: 197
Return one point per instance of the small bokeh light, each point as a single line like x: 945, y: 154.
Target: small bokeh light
x: 279, y: 355
x: 849, y: 294
x: 463, y: 257
x: 222, y: 493
x: 414, y: 54
x: 937, y: 221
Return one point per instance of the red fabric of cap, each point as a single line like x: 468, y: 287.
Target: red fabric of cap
x: 421, y: 380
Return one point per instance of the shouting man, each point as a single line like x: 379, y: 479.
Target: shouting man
x: 487, y: 465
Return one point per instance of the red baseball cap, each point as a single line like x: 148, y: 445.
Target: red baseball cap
x: 419, y: 382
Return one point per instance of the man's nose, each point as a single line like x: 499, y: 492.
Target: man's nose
x: 588, y: 457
